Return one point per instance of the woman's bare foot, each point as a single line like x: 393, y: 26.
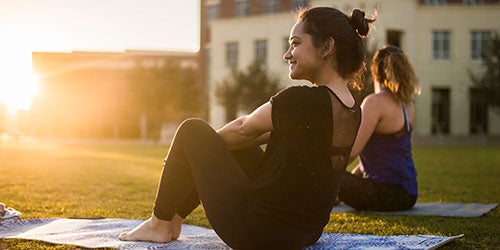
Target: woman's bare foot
x: 176, y: 226
x: 153, y: 229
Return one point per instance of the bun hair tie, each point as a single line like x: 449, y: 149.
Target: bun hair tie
x: 359, y: 22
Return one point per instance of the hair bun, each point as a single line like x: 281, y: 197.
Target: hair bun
x: 359, y: 22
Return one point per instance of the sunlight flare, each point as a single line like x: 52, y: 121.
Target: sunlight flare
x: 17, y: 91
x: 18, y: 85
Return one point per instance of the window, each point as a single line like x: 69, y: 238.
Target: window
x: 435, y: 2
x: 479, y: 44
x: 270, y: 6
x: 440, y: 110
x: 478, y: 111
x: 242, y: 8
x: 473, y: 2
x: 213, y: 11
x: 394, y: 37
x: 261, y: 51
x: 232, y: 55
x: 299, y: 4
x: 441, y: 45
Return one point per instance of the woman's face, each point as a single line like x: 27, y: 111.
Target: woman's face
x: 303, y: 57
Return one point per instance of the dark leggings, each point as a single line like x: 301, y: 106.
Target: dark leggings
x: 198, y: 167
x: 364, y: 194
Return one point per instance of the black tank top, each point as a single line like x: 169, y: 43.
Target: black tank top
x: 300, y: 173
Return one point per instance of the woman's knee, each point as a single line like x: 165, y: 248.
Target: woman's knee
x: 193, y: 122
x: 193, y: 125
x: 195, y: 130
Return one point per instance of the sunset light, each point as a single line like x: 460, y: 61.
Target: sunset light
x: 17, y: 91
x: 57, y: 25
x: 65, y: 65
x: 18, y: 83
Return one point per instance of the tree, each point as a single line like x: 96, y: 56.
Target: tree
x: 227, y: 94
x: 245, y: 90
x: 257, y: 86
x: 489, y: 81
x: 166, y: 92
x: 187, y: 93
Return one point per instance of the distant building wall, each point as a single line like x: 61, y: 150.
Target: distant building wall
x: 84, y: 94
x: 447, y: 104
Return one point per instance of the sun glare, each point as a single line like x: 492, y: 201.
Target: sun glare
x: 17, y: 89
x: 18, y: 83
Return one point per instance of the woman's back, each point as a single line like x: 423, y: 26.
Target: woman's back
x: 391, y: 118
x: 306, y: 156
x: 387, y: 155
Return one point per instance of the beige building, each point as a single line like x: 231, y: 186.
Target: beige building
x: 443, y: 39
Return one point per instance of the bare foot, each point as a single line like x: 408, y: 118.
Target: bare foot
x: 153, y: 229
x: 176, y: 226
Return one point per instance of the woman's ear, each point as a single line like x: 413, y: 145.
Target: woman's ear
x: 328, y: 47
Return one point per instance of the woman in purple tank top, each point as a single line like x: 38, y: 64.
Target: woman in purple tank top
x: 386, y: 178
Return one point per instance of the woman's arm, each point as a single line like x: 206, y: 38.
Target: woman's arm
x: 370, y: 116
x: 248, y: 130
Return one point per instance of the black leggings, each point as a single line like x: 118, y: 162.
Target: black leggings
x: 364, y: 194
x: 198, y: 167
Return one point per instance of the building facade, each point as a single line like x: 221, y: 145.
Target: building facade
x: 86, y: 94
x: 444, y: 40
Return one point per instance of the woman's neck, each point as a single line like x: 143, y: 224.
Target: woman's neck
x: 330, y: 78
x: 338, y: 85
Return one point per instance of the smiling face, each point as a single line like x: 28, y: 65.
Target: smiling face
x: 304, y: 59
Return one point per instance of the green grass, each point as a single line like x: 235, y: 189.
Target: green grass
x: 45, y: 180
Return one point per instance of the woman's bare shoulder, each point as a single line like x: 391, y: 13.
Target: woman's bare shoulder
x: 374, y: 99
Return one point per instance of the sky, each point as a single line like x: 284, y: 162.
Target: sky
x: 86, y: 25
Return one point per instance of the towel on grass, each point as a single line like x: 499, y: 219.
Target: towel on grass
x: 434, y: 209
x: 104, y: 233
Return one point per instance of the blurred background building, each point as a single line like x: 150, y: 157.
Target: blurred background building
x: 96, y: 94
x: 444, y: 39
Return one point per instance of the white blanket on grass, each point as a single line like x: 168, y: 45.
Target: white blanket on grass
x: 100, y: 233
x: 433, y: 209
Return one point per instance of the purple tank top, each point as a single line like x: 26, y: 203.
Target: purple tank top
x: 387, y: 158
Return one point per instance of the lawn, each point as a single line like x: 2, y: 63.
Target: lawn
x: 55, y: 180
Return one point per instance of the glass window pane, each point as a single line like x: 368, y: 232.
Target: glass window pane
x: 232, y: 55
x: 261, y: 51
x: 441, y: 45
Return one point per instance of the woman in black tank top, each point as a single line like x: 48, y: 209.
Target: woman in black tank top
x: 280, y: 198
